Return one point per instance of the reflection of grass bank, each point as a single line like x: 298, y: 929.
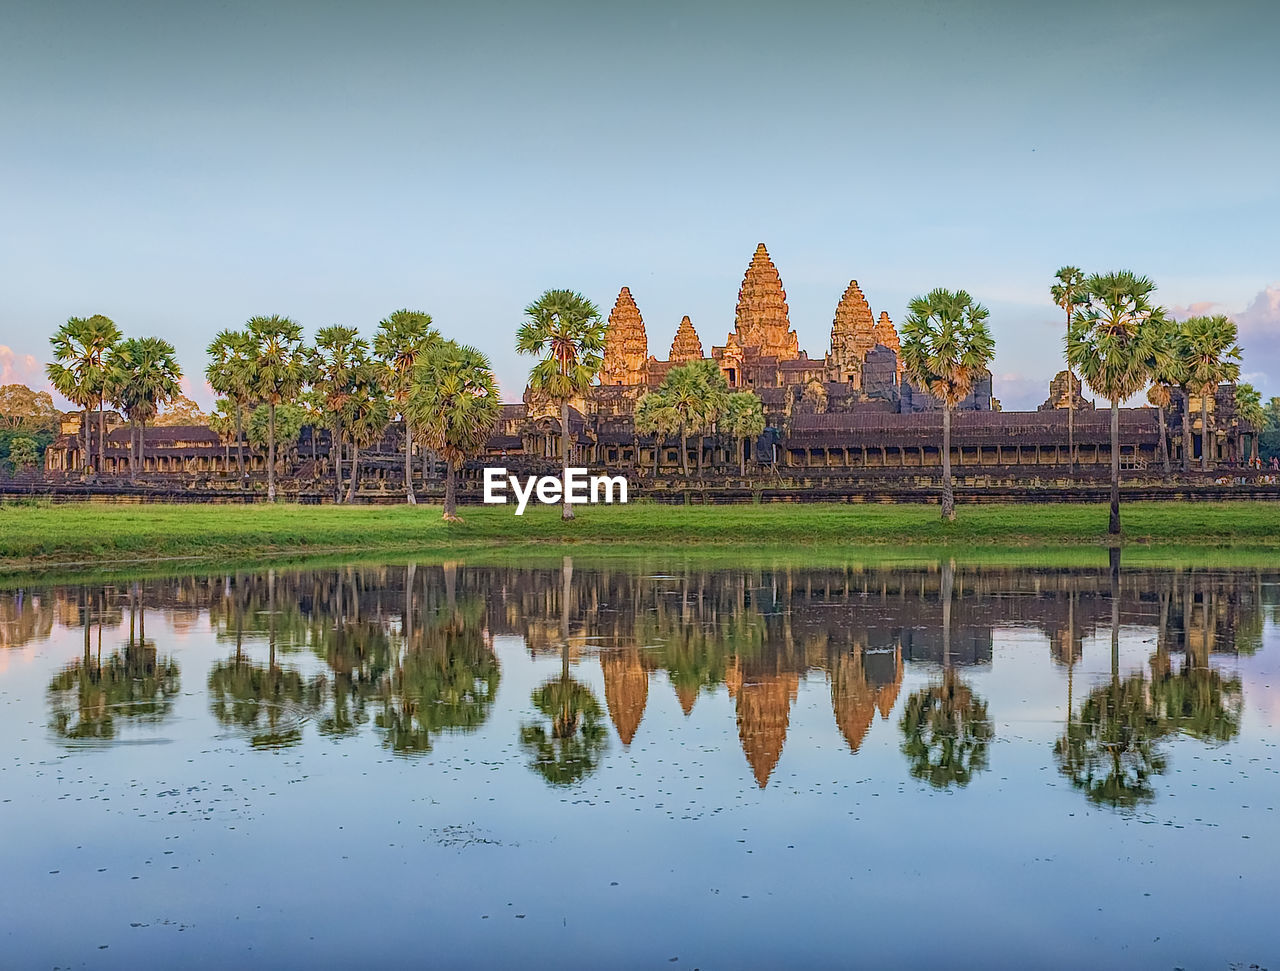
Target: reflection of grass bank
x: 1049, y: 535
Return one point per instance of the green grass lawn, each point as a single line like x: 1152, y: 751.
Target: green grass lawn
x: 43, y: 534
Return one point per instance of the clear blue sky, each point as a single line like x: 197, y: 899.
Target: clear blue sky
x: 181, y: 167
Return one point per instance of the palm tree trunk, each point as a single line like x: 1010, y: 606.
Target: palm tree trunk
x: 1071, y: 415
x: 85, y: 425
x: 742, y: 456
x: 1186, y: 430
x: 1114, y: 525
x: 1164, y: 442
x: 240, y: 439
x: 657, y: 452
x: 336, y: 449
x: 1204, y: 431
x: 566, y: 511
x: 142, y: 446
x: 271, y: 452
x: 948, y: 495
x: 408, y: 465
x: 355, y: 472
x: 102, y: 435
x: 450, y: 491
x: 702, y: 441
x: 684, y: 452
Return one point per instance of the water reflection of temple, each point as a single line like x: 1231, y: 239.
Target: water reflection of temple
x: 408, y: 649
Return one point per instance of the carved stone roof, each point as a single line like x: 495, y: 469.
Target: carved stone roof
x: 762, y: 320
x: 626, y: 346
x: 686, y: 346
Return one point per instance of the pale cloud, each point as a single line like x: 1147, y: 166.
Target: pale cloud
x: 199, y: 392
x: 1018, y: 392
x: 18, y: 368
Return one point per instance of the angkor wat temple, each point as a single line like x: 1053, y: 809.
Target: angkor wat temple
x: 849, y: 423
x: 851, y: 412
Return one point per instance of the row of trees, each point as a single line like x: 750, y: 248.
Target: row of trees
x: 1117, y: 338
x: 1121, y: 341
x: 444, y: 392
x: 694, y: 399
x: 95, y: 365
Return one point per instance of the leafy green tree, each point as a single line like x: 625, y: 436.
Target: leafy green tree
x: 279, y: 370
x: 289, y: 420
x: 743, y: 420
x: 1269, y: 440
x: 565, y: 330
x: 1211, y: 357
x: 1111, y: 342
x: 23, y: 453
x: 338, y: 354
x: 143, y: 374
x: 1069, y: 292
x: 453, y: 403
x: 684, y: 389
x: 230, y: 374
x: 365, y: 414
x: 23, y: 409
x: 402, y: 338
x: 1249, y: 408
x: 655, y: 416
x: 222, y: 420
x: 946, y: 348
x: 78, y: 371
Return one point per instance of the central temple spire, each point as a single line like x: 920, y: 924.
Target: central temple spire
x: 762, y: 319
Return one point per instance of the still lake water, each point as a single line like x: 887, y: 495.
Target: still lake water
x: 578, y: 765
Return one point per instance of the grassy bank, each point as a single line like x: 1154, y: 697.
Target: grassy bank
x: 44, y: 535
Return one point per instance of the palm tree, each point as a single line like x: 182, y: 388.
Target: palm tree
x: 230, y: 374
x: 365, y: 414
x: 946, y: 347
x: 1111, y: 341
x: 279, y: 372
x: 1166, y: 373
x: 1069, y: 293
x: 78, y: 371
x: 715, y: 398
x: 1249, y: 408
x: 223, y: 421
x: 1212, y: 357
x: 401, y: 339
x: 565, y: 329
x: 743, y: 419
x: 684, y: 389
x: 143, y: 374
x: 333, y: 365
x: 655, y: 416
x: 453, y: 403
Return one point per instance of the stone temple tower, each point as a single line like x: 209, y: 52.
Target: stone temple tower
x: 852, y: 336
x: 626, y: 347
x: 686, y: 346
x: 762, y: 320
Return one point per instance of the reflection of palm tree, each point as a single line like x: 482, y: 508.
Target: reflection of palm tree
x: 1110, y: 752
x: 945, y: 726
x: 571, y: 749
x: 447, y: 679
x: 946, y: 732
x: 269, y: 704
x: 89, y: 694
